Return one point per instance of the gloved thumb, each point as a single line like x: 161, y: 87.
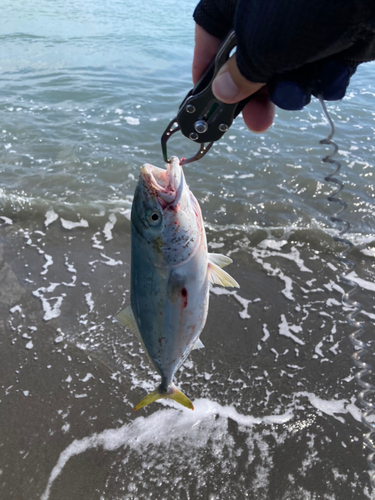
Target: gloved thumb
x: 230, y: 86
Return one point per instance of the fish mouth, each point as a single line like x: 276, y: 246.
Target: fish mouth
x: 167, y: 184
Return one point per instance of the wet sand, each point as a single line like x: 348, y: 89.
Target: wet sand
x: 274, y: 415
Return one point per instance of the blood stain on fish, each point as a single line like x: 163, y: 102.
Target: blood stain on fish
x: 185, y: 296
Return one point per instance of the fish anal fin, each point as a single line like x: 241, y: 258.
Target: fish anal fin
x: 172, y: 393
x: 219, y: 259
x: 127, y: 318
x: 220, y: 277
x: 198, y: 344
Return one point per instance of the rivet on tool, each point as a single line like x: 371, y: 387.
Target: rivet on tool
x: 190, y: 108
x: 223, y: 127
x: 201, y: 126
x: 193, y: 136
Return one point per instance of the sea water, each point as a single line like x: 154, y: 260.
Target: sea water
x: 86, y: 90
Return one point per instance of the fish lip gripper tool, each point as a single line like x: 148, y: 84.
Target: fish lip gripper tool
x: 201, y: 117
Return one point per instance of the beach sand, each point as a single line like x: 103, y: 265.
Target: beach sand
x: 273, y: 389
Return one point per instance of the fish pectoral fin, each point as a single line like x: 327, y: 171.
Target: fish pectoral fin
x: 173, y: 393
x: 127, y: 318
x: 219, y: 277
x: 219, y: 259
x: 198, y: 345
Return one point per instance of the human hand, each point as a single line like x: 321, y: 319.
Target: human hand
x: 230, y: 86
x: 297, y: 51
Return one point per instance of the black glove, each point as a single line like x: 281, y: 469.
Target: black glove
x: 328, y: 78
x: 298, y: 48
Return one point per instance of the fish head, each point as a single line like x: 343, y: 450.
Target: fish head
x: 165, y: 212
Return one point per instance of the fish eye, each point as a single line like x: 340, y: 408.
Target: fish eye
x: 154, y: 218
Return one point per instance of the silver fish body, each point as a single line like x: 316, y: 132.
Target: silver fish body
x: 170, y: 273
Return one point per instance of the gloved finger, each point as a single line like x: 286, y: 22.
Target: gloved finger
x: 329, y: 78
x: 289, y: 94
x: 333, y: 80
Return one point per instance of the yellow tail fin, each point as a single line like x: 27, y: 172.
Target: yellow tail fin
x: 173, y: 393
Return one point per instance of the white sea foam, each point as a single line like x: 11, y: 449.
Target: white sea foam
x: 266, y: 333
x: 16, y: 309
x: 131, y: 120
x: 369, y: 252
x: 97, y: 243
x: 6, y: 220
x: 72, y: 283
x: 70, y: 267
x: 366, y: 285
x: 50, y: 311
x: 272, y: 243
x: 246, y: 176
x: 318, y: 349
x: 214, y: 244
x: 208, y: 423
x: 245, y: 303
x: 51, y: 216
x: 89, y: 301
x: 332, y: 407
x: 47, y: 264
x: 109, y: 261
x: 107, y: 231
x: 259, y: 257
x: 287, y: 330
x: 293, y: 255
x: 65, y: 428
x: 67, y: 224
x: 217, y: 290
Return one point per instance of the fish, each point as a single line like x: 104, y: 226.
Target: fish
x: 170, y: 274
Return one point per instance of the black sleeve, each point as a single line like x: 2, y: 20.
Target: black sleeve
x: 277, y: 36
x: 216, y: 16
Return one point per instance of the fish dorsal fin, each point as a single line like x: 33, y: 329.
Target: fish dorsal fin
x: 198, y: 344
x: 219, y: 259
x: 220, y: 277
x: 127, y: 318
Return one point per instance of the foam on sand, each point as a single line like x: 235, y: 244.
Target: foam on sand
x: 206, y: 426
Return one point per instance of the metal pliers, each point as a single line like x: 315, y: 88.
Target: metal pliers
x: 201, y: 117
